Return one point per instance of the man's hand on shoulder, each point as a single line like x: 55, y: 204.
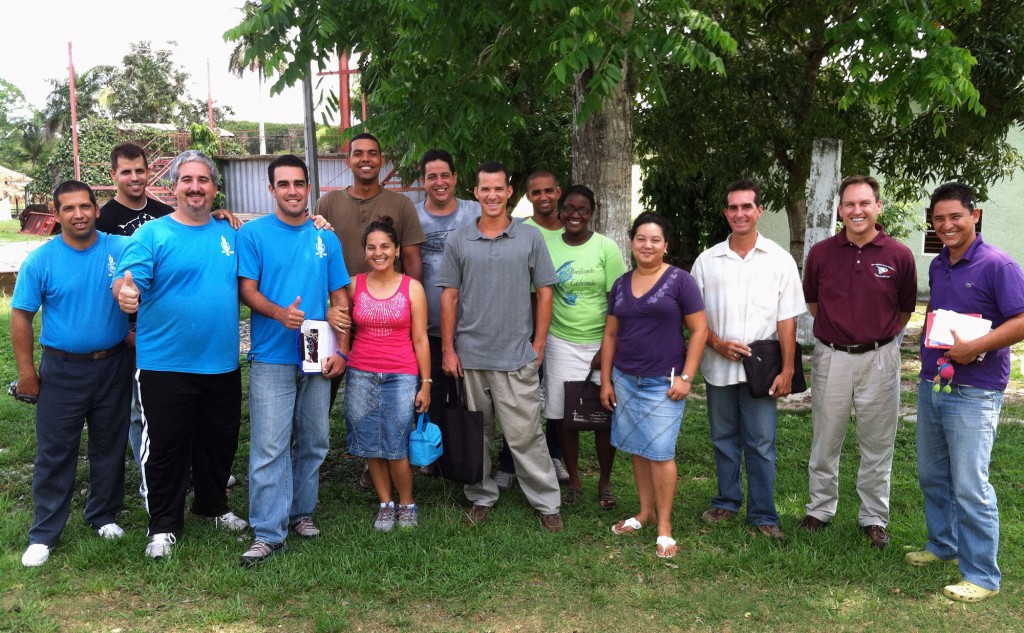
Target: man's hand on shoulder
x: 224, y: 214
x: 321, y: 223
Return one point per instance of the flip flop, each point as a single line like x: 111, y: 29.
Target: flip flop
x: 665, y: 547
x: 626, y: 526
x: 571, y: 496
x: 606, y: 499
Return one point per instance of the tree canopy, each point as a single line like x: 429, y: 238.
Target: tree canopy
x: 511, y: 80
x: 916, y: 92
x: 487, y: 80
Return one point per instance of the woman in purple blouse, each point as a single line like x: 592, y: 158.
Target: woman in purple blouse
x: 646, y: 370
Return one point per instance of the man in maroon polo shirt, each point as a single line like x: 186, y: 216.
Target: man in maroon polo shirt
x: 861, y: 288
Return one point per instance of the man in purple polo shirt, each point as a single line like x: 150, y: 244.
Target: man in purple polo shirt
x: 861, y: 288
x: 955, y: 430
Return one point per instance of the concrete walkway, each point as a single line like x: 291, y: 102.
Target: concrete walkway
x: 13, y: 253
x: 11, y: 256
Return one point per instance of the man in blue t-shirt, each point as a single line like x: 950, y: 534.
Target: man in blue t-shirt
x: 287, y: 269
x: 129, y: 209
x: 180, y: 274
x: 84, y: 373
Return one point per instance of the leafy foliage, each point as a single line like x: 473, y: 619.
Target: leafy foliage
x: 90, y: 94
x: 147, y: 87
x: 484, y: 80
x: 14, y: 114
x: 917, y: 93
x: 95, y: 138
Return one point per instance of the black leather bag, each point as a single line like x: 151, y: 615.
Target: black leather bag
x: 765, y: 363
x: 462, y: 434
x: 583, y: 410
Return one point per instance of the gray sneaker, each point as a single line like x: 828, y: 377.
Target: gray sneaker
x: 306, y: 528
x: 407, y: 516
x: 160, y: 545
x: 504, y: 479
x: 385, y: 520
x: 560, y: 471
x: 260, y: 551
x: 229, y: 521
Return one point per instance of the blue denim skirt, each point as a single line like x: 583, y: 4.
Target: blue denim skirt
x: 645, y: 421
x: 379, y: 413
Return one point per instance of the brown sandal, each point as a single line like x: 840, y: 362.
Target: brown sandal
x: 571, y: 496
x: 606, y: 499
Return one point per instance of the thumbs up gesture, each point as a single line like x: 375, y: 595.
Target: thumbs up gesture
x: 128, y: 294
x: 291, y: 317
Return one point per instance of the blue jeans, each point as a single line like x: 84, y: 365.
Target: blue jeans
x: 288, y: 441
x: 955, y: 433
x: 742, y: 426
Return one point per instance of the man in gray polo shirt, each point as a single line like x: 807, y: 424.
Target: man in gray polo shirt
x: 487, y: 270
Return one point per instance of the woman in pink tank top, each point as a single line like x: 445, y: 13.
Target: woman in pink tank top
x: 388, y: 373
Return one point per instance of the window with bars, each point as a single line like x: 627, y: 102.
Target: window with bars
x: 932, y: 243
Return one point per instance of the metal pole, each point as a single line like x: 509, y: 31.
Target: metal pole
x: 209, y: 97
x: 74, y: 114
x: 344, y: 107
x: 309, y: 133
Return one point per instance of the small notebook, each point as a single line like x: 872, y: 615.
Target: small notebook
x: 940, y: 323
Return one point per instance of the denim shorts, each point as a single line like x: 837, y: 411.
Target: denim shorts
x: 645, y: 421
x: 379, y: 413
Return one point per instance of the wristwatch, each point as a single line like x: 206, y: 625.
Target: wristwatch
x: 685, y: 378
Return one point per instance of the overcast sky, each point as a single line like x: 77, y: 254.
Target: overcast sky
x: 34, y: 47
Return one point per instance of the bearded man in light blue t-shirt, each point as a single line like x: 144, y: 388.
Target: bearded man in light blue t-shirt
x: 180, y: 274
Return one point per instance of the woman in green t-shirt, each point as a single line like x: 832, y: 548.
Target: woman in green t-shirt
x: 587, y: 264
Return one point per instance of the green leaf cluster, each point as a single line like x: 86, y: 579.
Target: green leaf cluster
x: 95, y: 138
x: 484, y: 80
x: 917, y: 93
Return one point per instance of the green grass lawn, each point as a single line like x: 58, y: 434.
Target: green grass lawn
x: 9, y: 232
x: 508, y: 574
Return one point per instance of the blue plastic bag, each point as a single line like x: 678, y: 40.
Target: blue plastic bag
x: 424, y: 442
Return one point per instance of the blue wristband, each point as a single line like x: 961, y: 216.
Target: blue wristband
x: 345, y: 358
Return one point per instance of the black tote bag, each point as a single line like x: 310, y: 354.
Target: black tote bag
x: 583, y: 409
x: 462, y: 434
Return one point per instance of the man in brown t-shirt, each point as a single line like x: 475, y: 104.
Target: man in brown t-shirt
x: 352, y: 209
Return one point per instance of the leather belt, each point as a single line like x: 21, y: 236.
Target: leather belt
x: 56, y: 353
x: 859, y: 349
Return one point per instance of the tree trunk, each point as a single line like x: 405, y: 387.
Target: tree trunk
x: 602, y: 155
x: 818, y: 213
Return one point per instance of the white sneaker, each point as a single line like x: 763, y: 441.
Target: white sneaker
x: 111, y: 531
x: 560, y: 472
x: 160, y: 545
x: 231, y: 481
x: 35, y: 555
x: 228, y: 521
x: 504, y: 479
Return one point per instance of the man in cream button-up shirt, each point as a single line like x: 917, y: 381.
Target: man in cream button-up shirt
x: 751, y: 291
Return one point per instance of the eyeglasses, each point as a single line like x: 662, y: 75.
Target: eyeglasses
x: 580, y: 211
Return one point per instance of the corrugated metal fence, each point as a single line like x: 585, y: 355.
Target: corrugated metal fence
x: 245, y: 181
